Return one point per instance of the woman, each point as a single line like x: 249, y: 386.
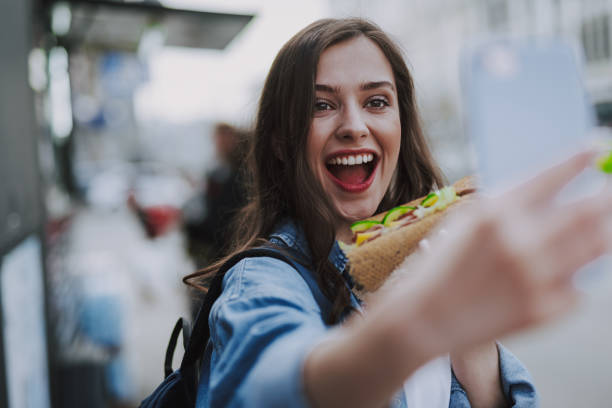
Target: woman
x: 287, y: 335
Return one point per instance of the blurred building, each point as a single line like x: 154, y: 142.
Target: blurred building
x: 88, y: 298
x: 24, y: 346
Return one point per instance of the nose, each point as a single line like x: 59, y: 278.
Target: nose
x: 352, y: 125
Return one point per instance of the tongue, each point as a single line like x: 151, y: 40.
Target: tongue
x: 351, y: 174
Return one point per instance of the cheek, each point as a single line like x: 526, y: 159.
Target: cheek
x: 315, y: 144
x: 389, y: 129
x: 393, y: 141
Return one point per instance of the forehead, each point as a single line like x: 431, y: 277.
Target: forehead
x: 355, y: 61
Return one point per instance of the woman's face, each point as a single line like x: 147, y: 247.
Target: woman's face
x: 354, y: 138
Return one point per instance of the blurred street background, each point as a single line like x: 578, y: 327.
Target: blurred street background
x: 119, y: 123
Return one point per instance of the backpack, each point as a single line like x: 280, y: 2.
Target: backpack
x: 179, y: 387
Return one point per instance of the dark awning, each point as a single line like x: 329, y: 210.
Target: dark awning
x: 120, y: 25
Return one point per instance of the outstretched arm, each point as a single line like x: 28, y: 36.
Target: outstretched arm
x: 478, y: 372
x: 507, y: 264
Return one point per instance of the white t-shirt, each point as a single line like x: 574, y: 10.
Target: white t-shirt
x: 430, y: 385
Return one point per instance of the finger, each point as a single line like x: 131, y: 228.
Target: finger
x: 578, y: 233
x: 577, y: 254
x: 563, y: 298
x: 546, y: 184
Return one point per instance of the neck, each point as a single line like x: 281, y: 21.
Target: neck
x: 343, y: 233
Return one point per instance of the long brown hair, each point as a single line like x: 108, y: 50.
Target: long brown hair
x: 282, y: 184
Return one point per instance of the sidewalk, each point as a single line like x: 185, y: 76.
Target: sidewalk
x: 107, y: 256
x: 570, y: 358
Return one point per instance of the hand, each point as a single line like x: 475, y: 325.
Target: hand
x: 507, y: 262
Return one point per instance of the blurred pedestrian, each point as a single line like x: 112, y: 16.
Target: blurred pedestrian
x: 206, y: 217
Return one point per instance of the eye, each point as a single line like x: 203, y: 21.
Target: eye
x: 377, y: 102
x: 322, y: 106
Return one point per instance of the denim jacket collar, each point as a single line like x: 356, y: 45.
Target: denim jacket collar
x: 292, y: 235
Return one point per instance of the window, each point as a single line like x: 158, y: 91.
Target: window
x: 497, y: 15
x: 595, y: 35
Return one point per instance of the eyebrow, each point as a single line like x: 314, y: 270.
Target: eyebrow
x: 366, y: 86
x: 327, y: 88
x: 377, y: 84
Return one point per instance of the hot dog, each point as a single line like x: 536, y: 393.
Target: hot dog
x: 382, y: 242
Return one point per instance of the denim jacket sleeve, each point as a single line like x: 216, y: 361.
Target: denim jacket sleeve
x: 262, y: 327
x: 517, y: 384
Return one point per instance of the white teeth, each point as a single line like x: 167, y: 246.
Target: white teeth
x: 351, y: 160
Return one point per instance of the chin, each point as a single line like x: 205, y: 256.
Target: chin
x: 352, y: 213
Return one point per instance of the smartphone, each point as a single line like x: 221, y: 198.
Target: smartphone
x: 526, y: 108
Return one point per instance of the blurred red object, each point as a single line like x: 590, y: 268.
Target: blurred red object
x: 156, y: 219
x: 55, y: 227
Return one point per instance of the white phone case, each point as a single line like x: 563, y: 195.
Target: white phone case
x: 525, y: 109
x: 525, y: 106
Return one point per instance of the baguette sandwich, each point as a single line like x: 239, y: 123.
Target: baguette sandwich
x: 382, y: 242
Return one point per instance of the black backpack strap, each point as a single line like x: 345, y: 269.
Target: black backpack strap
x: 181, y: 324
x: 201, y: 331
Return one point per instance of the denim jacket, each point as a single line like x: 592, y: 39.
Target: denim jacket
x: 267, y: 320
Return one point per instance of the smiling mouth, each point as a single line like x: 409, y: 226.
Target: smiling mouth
x: 352, y: 172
